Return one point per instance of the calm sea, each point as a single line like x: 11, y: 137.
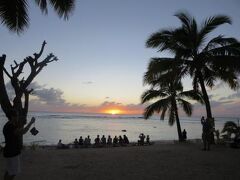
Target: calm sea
x: 68, y: 126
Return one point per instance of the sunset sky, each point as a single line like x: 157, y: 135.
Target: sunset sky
x: 103, y: 55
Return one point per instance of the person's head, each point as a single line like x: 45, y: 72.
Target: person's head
x: 80, y: 137
x: 60, y: 140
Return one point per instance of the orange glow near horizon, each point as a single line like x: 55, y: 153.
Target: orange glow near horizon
x: 113, y: 111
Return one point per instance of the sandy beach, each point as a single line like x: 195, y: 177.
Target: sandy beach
x: 163, y: 160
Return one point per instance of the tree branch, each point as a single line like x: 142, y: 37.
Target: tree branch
x: 41, y: 51
x: 7, y: 73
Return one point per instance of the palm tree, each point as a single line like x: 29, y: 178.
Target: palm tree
x: 231, y: 128
x: 168, y: 94
x: 205, y: 62
x: 14, y: 13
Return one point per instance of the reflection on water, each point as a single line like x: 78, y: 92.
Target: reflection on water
x: 66, y: 126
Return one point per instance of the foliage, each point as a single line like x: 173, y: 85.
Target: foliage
x: 230, y: 128
x: 20, y: 83
x: 14, y: 13
x: 204, y: 61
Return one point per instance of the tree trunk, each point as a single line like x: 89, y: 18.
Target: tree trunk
x: 205, y: 96
x: 20, y: 84
x: 207, y: 105
x: 178, y: 122
x: 4, y: 100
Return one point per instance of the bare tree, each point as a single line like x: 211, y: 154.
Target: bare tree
x: 20, y: 83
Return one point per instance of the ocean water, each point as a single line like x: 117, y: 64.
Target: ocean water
x: 68, y: 126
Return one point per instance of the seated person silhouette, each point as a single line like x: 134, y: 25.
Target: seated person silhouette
x: 125, y: 139
x: 141, y: 141
x: 97, y: 141
x: 75, y: 143
x: 87, y: 141
x: 120, y: 140
x: 80, y: 141
x: 148, y: 140
x: 115, y: 141
x: 103, y: 140
x: 60, y: 145
x: 109, y: 140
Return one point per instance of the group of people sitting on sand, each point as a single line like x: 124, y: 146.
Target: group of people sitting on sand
x: 103, y: 141
x: 98, y: 142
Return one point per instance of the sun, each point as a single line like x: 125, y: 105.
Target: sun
x: 113, y: 111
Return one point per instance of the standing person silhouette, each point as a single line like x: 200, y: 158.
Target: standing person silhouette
x: 12, y: 150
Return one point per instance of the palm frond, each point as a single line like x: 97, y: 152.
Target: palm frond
x: 156, y: 107
x: 226, y: 50
x: 186, y: 20
x: 230, y: 126
x: 231, y: 79
x: 152, y: 94
x: 192, y: 94
x: 159, y: 39
x: 14, y: 15
x: 164, y: 110
x: 224, y: 63
x: 187, y: 107
x: 157, y: 67
x: 220, y: 41
x: 212, y: 23
x: 63, y: 8
x: 209, y: 76
x: 43, y: 5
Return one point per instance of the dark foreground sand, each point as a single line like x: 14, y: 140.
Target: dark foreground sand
x: 160, y: 161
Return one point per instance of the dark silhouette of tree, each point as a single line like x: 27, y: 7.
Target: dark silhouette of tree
x: 230, y: 128
x: 20, y: 83
x: 168, y: 92
x: 14, y: 13
x: 205, y: 62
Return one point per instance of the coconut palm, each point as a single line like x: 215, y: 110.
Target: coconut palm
x: 204, y: 61
x: 14, y: 13
x: 231, y: 128
x: 169, y: 95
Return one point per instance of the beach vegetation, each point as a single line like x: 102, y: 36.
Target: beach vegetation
x: 231, y: 128
x: 205, y: 60
x: 14, y: 13
x: 165, y: 96
x: 20, y: 82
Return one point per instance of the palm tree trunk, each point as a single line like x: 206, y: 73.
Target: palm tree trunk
x: 205, y: 96
x: 207, y: 104
x: 178, y: 122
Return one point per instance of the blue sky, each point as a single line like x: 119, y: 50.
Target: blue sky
x: 102, y: 51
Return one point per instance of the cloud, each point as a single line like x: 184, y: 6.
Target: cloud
x: 51, y: 99
x: 87, y: 82
x: 219, y: 109
x: 232, y: 96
